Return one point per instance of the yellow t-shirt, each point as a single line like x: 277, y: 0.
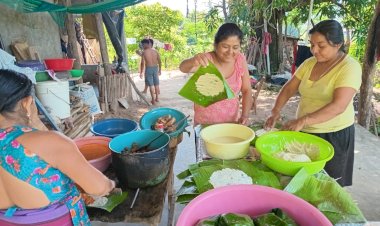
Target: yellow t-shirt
x: 317, y: 94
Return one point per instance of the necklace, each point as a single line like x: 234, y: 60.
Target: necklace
x: 330, y: 67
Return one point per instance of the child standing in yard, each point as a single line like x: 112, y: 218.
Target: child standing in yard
x: 151, y: 68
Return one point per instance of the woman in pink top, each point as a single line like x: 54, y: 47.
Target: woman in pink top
x: 232, y: 65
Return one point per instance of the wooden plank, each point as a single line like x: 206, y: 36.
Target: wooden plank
x: 123, y: 102
x: 138, y: 91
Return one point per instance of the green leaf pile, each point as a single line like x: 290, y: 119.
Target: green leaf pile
x: 327, y: 195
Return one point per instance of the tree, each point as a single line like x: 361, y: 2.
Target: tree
x: 369, y: 66
x: 158, y: 22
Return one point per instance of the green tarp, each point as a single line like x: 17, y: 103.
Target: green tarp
x: 30, y: 6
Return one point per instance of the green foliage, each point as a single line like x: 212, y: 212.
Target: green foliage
x: 354, y: 15
x: 212, y: 19
x: 167, y: 26
x: 240, y: 14
x: 158, y: 22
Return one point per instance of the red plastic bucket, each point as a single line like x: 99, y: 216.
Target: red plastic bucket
x: 59, y: 64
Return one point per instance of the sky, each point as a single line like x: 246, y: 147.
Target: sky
x: 202, y: 5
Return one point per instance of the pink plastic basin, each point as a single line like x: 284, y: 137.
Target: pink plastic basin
x: 95, y: 149
x: 252, y: 200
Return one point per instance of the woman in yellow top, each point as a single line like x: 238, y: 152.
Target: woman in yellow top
x: 327, y: 83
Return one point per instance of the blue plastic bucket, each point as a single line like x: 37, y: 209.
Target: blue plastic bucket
x: 140, y: 170
x: 113, y: 127
x: 150, y: 118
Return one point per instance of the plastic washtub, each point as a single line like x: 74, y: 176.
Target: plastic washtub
x: 252, y: 200
x: 113, y: 127
x: 59, y: 64
x: 273, y: 142
x: 150, y: 117
x: 96, y: 151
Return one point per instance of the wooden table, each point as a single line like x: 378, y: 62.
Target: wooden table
x: 149, y: 204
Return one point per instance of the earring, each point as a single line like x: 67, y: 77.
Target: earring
x: 29, y: 119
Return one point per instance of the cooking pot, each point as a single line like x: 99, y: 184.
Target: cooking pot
x: 138, y: 170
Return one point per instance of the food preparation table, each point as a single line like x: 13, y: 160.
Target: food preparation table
x: 149, y: 203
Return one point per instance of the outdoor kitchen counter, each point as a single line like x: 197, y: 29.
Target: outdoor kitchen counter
x: 148, y: 206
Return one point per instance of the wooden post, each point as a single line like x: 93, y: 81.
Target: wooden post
x: 105, y: 59
x: 103, y: 44
x: 72, y: 39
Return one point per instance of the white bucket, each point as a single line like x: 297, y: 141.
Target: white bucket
x: 55, y: 97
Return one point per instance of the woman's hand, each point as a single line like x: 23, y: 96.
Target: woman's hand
x: 200, y: 60
x: 295, y: 125
x: 244, y: 120
x: 271, y: 121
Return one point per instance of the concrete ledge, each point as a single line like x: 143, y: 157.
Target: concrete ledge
x: 366, y: 181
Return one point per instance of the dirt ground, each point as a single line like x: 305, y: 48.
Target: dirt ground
x: 172, y: 81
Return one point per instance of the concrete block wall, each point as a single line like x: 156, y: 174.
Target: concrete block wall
x: 38, y: 29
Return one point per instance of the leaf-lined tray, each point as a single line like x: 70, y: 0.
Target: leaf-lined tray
x: 190, y: 91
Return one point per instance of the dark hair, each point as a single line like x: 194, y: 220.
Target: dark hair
x: 145, y: 41
x: 332, y: 30
x: 14, y: 86
x: 150, y: 41
x: 227, y: 30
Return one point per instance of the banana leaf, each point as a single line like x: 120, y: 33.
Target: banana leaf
x: 269, y: 219
x: 190, y: 91
x: 233, y: 219
x: 198, y: 175
x: 327, y: 195
x: 201, y: 175
x: 113, y: 201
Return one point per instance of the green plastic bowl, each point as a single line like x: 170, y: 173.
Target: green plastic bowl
x: 42, y: 76
x: 273, y: 142
x: 76, y: 72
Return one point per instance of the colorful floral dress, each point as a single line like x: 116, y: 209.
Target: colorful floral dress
x: 225, y: 110
x: 28, y: 167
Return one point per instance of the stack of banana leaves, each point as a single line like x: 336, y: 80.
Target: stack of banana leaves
x: 319, y: 189
x: 197, y: 177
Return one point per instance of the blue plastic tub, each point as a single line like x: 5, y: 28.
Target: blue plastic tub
x: 141, y: 169
x: 150, y: 117
x: 113, y: 127
x: 35, y: 65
